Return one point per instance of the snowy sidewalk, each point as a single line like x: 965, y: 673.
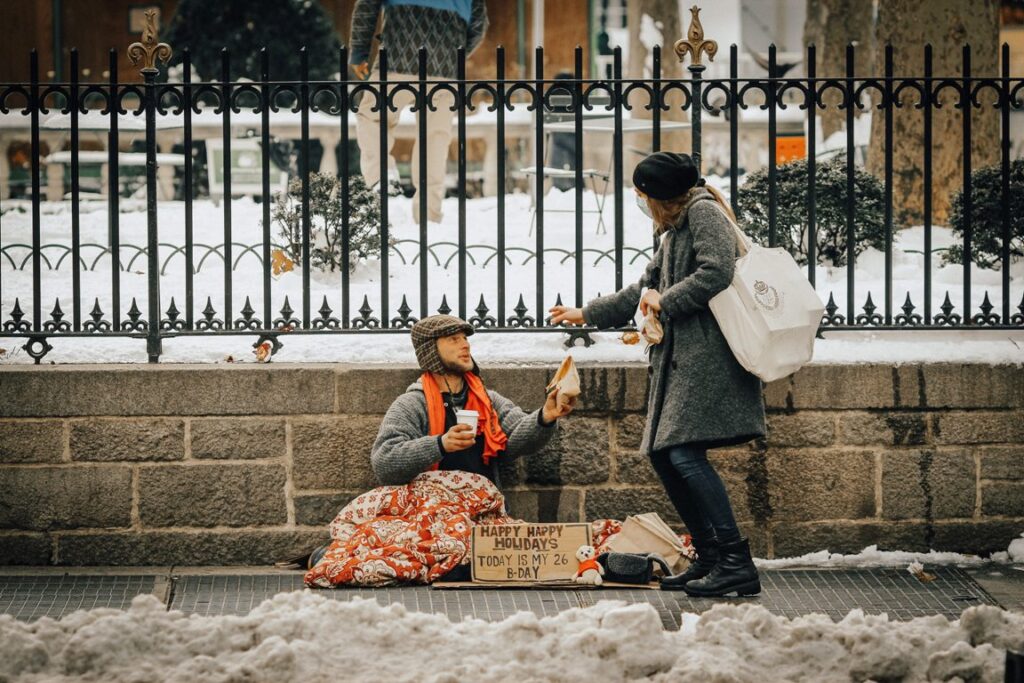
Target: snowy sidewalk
x: 30, y: 593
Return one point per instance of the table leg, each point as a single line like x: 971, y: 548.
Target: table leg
x: 54, y: 182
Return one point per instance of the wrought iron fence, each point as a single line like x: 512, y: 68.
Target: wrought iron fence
x: 576, y: 98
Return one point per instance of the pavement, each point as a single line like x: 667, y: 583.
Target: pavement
x: 28, y: 593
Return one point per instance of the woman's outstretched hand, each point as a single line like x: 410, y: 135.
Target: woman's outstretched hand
x: 565, y: 314
x: 651, y: 301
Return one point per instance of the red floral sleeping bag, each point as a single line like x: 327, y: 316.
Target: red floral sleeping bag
x: 415, y: 533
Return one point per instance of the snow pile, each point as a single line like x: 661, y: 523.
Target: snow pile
x: 303, y: 636
x: 871, y: 556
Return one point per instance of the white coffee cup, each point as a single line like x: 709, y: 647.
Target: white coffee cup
x: 467, y: 417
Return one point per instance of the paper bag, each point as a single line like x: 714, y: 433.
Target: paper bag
x: 648, y: 325
x: 648, y: 533
x: 567, y: 380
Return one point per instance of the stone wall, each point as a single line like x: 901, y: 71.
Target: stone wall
x: 247, y: 464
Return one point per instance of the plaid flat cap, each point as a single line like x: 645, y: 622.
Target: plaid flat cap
x: 425, y: 333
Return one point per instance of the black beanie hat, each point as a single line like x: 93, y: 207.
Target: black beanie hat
x: 666, y: 175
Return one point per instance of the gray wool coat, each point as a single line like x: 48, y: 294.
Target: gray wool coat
x: 699, y: 394
x: 404, y: 448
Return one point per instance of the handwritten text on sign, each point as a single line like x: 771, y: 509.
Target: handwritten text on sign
x: 527, y: 552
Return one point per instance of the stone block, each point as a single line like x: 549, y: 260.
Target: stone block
x: 978, y: 426
x: 836, y: 387
x: 793, y: 539
x: 821, y: 484
x: 44, y: 498
x: 620, y: 503
x: 187, y: 548
x: 928, y: 484
x: 735, y: 466
x: 632, y: 467
x: 32, y: 549
x: 165, y: 389
x: 524, y: 386
x: 207, y: 495
x: 629, y: 432
x: 1004, y: 498
x: 610, y: 388
x: 907, y: 387
x: 1002, y: 462
x: 805, y: 428
x: 544, y: 505
x: 31, y: 441
x: 104, y: 439
x: 371, y: 390
x: 512, y: 472
x: 577, y: 454
x: 318, y: 509
x: 888, y: 428
x: 231, y: 438
x: 972, y: 385
x: 757, y: 534
x: 777, y: 394
x: 976, y: 537
x: 334, y: 452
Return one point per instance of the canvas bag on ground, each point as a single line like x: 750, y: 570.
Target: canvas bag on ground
x: 648, y: 533
x: 770, y: 313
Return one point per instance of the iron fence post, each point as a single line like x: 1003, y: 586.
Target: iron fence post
x: 695, y: 46
x: 148, y: 52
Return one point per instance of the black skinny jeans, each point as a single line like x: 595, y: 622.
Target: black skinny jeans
x: 697, y: 493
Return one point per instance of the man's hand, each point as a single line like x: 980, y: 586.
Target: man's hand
x: 565, y: 314
x: 553, y: 409
x: 651, y: 300
x: 361, y: 71
x: 458, y: 438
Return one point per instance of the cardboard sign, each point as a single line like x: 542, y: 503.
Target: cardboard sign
x: 527, y: 553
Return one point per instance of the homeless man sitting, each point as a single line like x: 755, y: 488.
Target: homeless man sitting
x: 420, y: 432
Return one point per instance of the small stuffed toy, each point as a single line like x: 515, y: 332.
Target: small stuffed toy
x: 589, y: 571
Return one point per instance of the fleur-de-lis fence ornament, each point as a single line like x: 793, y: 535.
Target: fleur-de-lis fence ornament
x: 694, y: 43
x: 149, y: 50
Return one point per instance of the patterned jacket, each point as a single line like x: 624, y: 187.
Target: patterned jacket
x: 408, y: 25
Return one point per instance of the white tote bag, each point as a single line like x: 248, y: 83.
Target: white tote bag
x: 770, y: 313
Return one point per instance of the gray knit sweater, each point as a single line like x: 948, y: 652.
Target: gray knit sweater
x: 404, y: 448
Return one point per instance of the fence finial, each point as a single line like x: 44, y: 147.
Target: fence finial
x: 149, y: 51
x: 694, y: 44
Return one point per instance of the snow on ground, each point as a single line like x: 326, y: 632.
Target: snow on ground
x: 443, y: 277
x: 871, y: 556
x: 302, y: 636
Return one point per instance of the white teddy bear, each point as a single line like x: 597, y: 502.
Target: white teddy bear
x: 590, y: 570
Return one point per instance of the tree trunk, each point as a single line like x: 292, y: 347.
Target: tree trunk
x: 665, y: 14
x: 830, y: 26
x: 947, y: 25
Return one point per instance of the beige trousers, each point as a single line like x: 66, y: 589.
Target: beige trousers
x: 439, y: 136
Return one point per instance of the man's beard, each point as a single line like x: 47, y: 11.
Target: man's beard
x: 457, y: 367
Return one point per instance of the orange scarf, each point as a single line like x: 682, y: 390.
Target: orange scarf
x: 477, y: 399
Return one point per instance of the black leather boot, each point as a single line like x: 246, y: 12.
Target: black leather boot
x: 707, y: 558
x: 734, y: 573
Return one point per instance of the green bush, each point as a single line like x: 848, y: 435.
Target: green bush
x: 791, y: 228
x: 325, y: 211
x: 987, y: 217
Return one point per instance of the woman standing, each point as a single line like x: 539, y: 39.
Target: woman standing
x: 700, y: 396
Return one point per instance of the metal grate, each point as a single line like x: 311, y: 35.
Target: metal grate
x: 789, y: 593
x: 31, y: 597
x: 795, y: 592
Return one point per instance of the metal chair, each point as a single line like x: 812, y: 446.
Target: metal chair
x: 561, y: 105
